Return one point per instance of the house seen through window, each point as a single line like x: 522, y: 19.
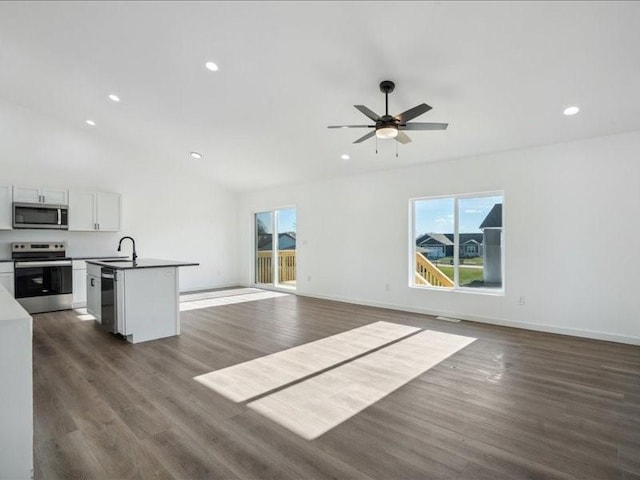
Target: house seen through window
x: 458, y: 242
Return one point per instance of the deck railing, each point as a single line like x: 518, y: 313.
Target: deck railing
x: 286, y: 266
x: 428, y: 274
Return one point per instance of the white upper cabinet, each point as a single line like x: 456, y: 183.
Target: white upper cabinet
x: 26, y: 195
x: 40, y: 195
x: 91, y: 211
x: 6, y: 222
x: 82, y: 211
x: 55, y: 197
x: 108, y: 211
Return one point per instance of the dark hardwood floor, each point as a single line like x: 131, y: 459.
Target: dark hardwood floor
x: 514, y: 404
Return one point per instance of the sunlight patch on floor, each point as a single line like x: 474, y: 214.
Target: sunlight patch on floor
x: 330, y: 380
x: 83, y: 315
x: 315, y: 406
x: 249, y: 379
x: 229, y: 300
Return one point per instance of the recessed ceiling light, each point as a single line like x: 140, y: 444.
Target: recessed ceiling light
x: 345, y: 156
x: 571, y: 110
x: 114, y: 97
x: 211, y: 66
x: 196, y: 155
x: 91, y: 122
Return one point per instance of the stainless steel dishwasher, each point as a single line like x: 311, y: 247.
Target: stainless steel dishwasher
x: 109, y: 299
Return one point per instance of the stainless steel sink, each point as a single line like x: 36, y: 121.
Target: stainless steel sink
x: 115, y: 260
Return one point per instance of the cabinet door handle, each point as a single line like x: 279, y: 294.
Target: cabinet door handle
x: 93, y: 282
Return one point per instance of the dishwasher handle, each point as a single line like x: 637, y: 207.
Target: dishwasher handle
x: 109, y: 274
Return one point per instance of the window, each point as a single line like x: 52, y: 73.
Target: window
x: 457, y: 242
x: 275, y: 255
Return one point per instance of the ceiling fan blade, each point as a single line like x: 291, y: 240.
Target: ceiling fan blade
x: 412, y: 113
x: 424, y: 126
x: 368, y: 112
x: 351, y: 126
x: 403, y: 137
x: 365, y: 137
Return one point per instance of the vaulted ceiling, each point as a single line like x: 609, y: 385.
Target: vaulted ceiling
x: 500, y: 73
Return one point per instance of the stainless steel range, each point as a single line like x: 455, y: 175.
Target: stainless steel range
x: 43, y: 276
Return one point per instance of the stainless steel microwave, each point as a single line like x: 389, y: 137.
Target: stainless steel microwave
x: 39, y: 215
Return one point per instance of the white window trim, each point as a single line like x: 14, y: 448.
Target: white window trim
x: 456, y: 254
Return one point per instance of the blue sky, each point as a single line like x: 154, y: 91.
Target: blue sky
x: 436, y: 215
x: 286, y: 220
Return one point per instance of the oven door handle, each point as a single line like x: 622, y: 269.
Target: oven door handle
x: 52, y: 263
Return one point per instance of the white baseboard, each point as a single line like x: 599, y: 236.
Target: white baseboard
x: 490, y: 320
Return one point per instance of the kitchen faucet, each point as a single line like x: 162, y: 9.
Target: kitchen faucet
x: 135, y: 255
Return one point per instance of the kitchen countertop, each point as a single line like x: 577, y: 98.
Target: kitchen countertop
x: 142, y: 263
x: 100, y: 257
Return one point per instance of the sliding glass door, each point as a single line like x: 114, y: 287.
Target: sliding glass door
x: 276, y: 253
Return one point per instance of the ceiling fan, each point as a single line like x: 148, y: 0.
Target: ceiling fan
x: 387, y: 126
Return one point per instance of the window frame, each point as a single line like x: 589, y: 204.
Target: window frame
x: 456, y: 244
x: 275, y: 285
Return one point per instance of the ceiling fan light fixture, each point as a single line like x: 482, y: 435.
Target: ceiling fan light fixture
x: 387, y: 132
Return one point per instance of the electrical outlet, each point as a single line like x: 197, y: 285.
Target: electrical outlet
x: 309, y: 278
x: 521, y: 300
x: 387, y: 287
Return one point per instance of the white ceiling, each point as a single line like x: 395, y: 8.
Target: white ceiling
x: 500, y: 73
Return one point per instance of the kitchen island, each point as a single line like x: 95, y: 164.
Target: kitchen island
x: 16, y: 390
x: 136, y: 299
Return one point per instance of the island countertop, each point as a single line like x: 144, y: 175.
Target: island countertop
x: 141, y: 263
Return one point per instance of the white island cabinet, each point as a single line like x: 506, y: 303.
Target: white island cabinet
x: 93, y: 291
x: 16, y: 390
x: 139, y: 300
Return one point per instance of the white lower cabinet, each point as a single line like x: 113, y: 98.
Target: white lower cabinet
x: 79, y: 283
x: 6, y: 277
x: 94, y: 295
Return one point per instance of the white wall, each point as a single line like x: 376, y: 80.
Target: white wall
x: 571, y: 227
x: 171, y: 209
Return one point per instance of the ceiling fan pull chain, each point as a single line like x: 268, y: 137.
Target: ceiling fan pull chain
x: 376, y: 144
x: 396, y: 149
